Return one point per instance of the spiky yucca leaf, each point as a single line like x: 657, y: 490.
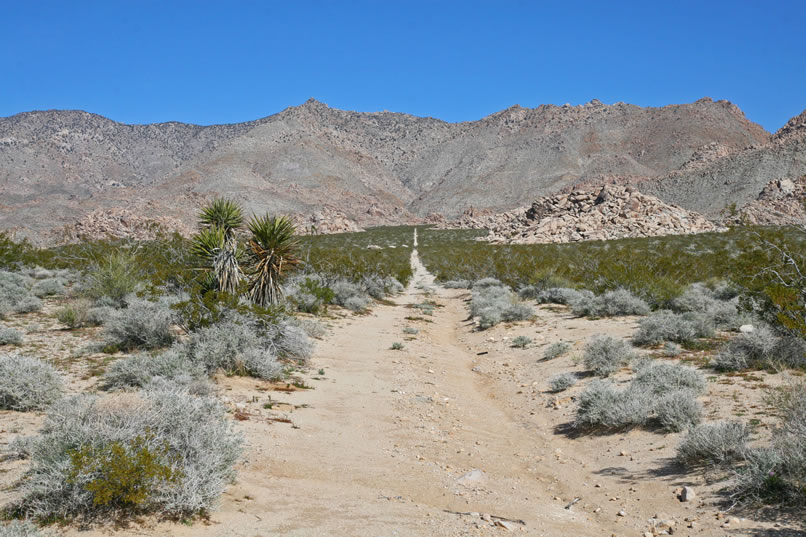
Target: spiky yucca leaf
x: 273, y: 250
x: 224, y: 214
x: 220, y: 257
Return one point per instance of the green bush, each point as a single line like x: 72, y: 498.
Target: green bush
x: 124, y: 474
x: 114, y: 277
x: 75, y: 315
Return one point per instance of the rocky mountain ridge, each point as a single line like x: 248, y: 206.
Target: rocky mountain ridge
x: 361, y: 169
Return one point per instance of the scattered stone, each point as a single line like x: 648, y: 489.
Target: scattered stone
x: 687, y: 494
x: 621, y: 513
x: 504, y: 524
x: 746, y: 328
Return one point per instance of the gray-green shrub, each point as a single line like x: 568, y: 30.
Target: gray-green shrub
x: 602, y: 405
x: 187, y: 433
x: 141, y: 324
x: 748, y: 349
x: 666, y: 325
x: 492, y: 302
x: 9, y: 336
x: 562, y: 381
x: 610, y: 304
x: 660, y: 378
x: 521, y: 342
x: 49, y: 287
x: 138, y: 370
x: 604, y: 355
x: 19, y: 528
x: 678, y: 410
x: 555, y: 350
x: 75, y: 314
x: 27, y: 383
x: 714, y: 443
x: 563, y: 295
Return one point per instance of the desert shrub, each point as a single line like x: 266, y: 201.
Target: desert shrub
x: 714, y: 443
x: 601, y: 405
x: 287, y: 339
x: 609, y: 304
x: 660, y: 378
x: 141, y: 324
x: 27, y: 383
x: 748, y: 349
x: 410, y: 330
x: 9, y: 336
x: 40, y: 273
x: 723, y: 313
x: 457, y: 284
x: 113, y: 278
x: 239, y: 346
x: 308, y: 293
x: 51, y: 286
x: 28, y: 304
x: 604, y: 355
x: 397, y: 346
x: 313, y: 328
x: 671, y: 349
x: 678, y: 410
x: 562, y: 295
x: 19, y: 528
x: 561, y: 382
x: 161, y: 450
x: 349, y: 295
x: 521, y: 342
x: 487, y: 282
x: 494, y: 303
x: 555, y: 350
x: 138, y: 370
x: 777, y: 473
x: 379, y: 287
x: 98, y: 315
x: 665, y: 326
x: 75, y: 314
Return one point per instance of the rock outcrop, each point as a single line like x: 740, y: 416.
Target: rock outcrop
x: 781, y: 203
x: 610, y: 212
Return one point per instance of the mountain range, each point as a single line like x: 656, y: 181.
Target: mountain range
x: 58, y: 168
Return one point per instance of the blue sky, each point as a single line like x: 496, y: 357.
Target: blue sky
x: 222, y: 62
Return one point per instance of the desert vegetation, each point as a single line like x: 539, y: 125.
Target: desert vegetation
x: 165, y: 320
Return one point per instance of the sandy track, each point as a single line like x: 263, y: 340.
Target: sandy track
x: 388, y: 440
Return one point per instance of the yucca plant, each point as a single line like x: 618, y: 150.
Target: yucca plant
x: 273, y: 250
x: 220, y: 258
x: 216, y: 246
x: 223, y: 214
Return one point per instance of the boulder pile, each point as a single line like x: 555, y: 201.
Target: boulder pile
x: 609, y: 212
x: 780, y: 203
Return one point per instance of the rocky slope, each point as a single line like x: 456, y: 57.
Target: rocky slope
x: 721, y: 179
x: 609, y: 212
x: 58, y: 167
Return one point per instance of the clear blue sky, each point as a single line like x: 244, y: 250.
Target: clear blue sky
x: 228, y: 61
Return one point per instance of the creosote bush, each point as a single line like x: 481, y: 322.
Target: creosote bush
x: 161, y: 450
x: 113, y: 278
x: 27, y: 383
x: 76, y: 314
x: 719, y: 443
x: 604, y: 355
